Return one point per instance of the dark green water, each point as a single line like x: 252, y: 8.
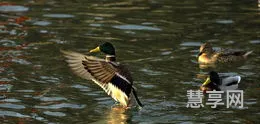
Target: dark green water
x: 157, y: 39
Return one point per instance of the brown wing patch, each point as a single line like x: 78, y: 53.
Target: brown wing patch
x: 229, y: 58
x: 74, y: 60
x: 100, y: 70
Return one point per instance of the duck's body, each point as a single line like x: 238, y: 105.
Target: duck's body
x: 112, y: 77
x: 209, y: 56
x: 229, y: 83
x: 214, y: 82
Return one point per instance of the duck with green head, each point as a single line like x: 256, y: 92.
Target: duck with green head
x: 108, y: 49
x: 111, y: 76
x: 215, y: 82
x: 209, y: 56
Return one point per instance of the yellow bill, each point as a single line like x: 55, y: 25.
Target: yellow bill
x: 206, y: 82
x: 97, y: 49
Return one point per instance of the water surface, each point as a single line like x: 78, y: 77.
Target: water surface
x: 157, y: 40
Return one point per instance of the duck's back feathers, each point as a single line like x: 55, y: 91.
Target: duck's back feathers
x: 230, y: 83
x: 228, y: 58
x: 227, y: 55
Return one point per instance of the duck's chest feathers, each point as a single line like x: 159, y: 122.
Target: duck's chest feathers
x: 207, y: 59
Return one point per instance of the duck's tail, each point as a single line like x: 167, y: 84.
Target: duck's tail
x: 136, y: 98
x: 238, y: 79
x: 247, y: 53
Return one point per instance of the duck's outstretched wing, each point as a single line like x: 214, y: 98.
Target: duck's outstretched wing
x: 108, y: 72
x: 108, y: 75
x: 74, y: 61
x: 112, y: 77
x: 99, y: 69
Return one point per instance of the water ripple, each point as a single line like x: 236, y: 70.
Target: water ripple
x: 12, y: 106
x: 225, y: 21
x: 21, y: 61
x: 49, y: 79
x: 7, y: 43
x: 48, y: 99
x: 62, y: 105
x: 250, y: 101
x: 255, y: 41
x: 58, y: 15
x: 81, y: 87
x: 10, y: 100
x: 136, y: 27
x: 195, y: 44
x: 147, y: 86
x: 13, y: 114
x: 95, y: 25
x: 42, y: 23
x: 166, y: 53
x: 13, y: 8
x: 151, y: 72
x: 56, y: 114
x: 5, y: 87
x: 26, y: 91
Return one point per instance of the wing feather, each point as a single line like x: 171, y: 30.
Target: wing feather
x: 100, y: 69
x: 113, y: 78
x: 74, y: 61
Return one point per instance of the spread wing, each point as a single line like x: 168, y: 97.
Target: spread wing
x: 113, y: 78
x: 107, y: 73
x: 99, y: 69
x: 74, y: 61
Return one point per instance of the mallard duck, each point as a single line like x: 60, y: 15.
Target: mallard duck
x: 112, y: 77
x: 208, y: 56
x: 214, y: 82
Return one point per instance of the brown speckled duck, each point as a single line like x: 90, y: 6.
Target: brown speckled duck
x: 208, y: 56
x: 112, y: 77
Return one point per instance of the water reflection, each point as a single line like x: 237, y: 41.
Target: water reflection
x: 205, y: 66
x: 115, y: 115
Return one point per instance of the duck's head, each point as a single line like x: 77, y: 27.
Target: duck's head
x: 212, y: 78
x: 205, y: 48
x: 212, y: 82
x: 106, y: 48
